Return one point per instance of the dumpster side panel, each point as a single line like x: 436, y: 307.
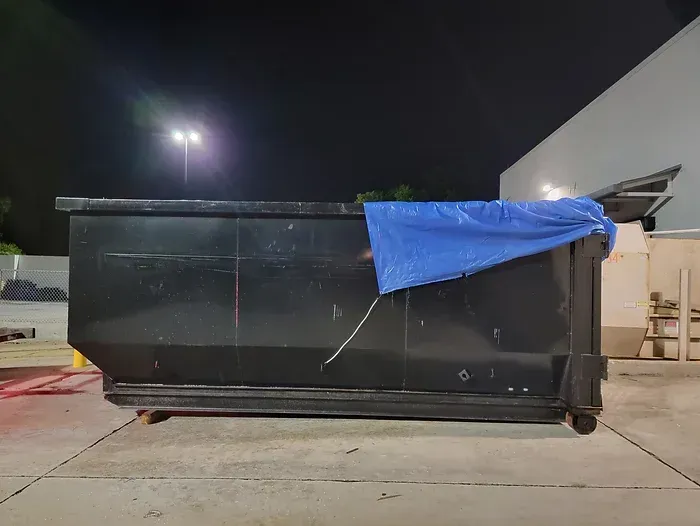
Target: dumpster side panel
x: 502, y: 331
x: 152, y: 298
x: 155, y: 304
x: 218, y: 311
x: 303, y: 290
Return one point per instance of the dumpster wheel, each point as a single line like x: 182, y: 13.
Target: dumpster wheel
x: 582, y: 424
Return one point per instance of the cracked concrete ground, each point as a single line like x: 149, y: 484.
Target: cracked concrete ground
x: 73, y: 459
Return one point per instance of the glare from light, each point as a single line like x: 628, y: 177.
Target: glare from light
x: 194, y: 137
x: 554, y: 194
x: 178, y: 136
x: 547, y: 188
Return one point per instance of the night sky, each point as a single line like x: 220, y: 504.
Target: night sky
x: 295, y: 100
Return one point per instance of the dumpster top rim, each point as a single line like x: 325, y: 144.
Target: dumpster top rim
x: 197, y: 207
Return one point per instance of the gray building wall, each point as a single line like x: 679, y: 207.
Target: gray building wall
x: 646, y: 122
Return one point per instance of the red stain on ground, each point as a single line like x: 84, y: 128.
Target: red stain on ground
x: 35, y: 399
x: 59, y: 383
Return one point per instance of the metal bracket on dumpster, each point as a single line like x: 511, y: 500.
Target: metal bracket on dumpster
x: 593, y: 367
x: 596, y: 246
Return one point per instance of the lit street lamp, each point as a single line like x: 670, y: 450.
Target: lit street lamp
x: 186, y: 138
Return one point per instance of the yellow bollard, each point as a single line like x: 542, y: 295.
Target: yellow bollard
x: 79, y: 360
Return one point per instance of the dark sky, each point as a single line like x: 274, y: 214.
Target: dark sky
x: 296, y: 100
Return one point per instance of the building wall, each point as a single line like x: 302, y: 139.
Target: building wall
x: 8, y: 262
x: 646, y: 122
x: 46, y: 263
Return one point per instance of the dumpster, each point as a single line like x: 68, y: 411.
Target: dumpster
x: 275, y: 308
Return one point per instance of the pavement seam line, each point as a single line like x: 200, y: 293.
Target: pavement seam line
x: 653, y: 455
x: 37, y: 479
x: 367, y: 481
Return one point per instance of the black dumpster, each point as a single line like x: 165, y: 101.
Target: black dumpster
x: 234, y: 306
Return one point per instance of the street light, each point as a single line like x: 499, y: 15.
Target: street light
x: 181, y: 137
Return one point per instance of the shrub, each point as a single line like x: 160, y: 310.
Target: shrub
x: 9, y: 249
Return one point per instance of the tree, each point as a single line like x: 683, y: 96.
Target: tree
x: 402, y: 192
x: 6, y: 249
x: 9, y: 249
x: 373, y: 195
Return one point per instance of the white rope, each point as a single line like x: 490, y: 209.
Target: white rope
x: 352, y: 335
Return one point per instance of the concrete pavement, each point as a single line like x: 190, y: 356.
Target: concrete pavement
x: 32, y: 353
x: 49, y: 319
x: 73, y: 459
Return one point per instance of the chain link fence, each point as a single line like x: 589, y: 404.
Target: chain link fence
x: 33, y: 297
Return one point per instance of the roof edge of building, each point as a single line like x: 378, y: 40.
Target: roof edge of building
x: 661, y: 50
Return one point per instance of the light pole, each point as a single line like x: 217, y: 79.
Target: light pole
x: 181, y: 137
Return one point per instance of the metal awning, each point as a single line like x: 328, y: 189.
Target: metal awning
x: 636, y: 199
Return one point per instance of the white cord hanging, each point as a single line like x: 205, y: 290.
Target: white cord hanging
x: 352, y: 335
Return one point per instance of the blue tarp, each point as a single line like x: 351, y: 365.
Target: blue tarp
x: 418, y: 243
